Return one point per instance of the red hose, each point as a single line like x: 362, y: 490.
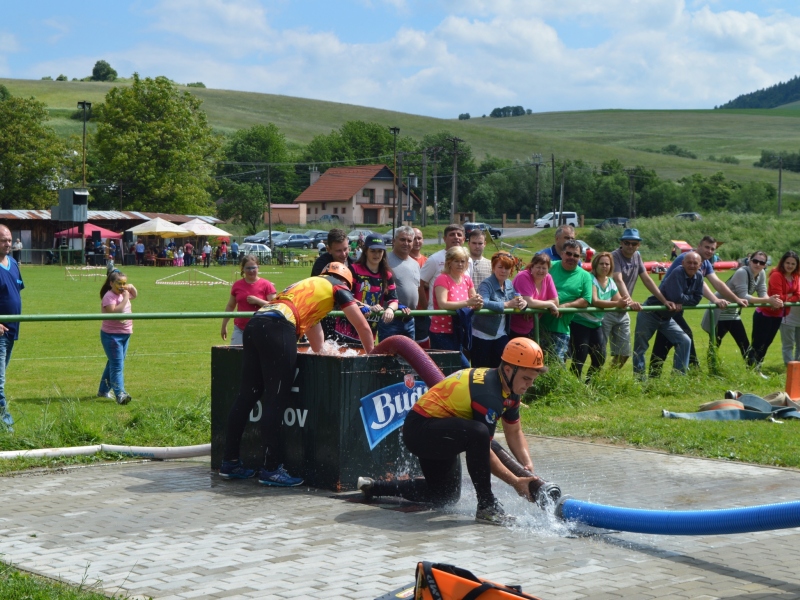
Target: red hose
x: 414, y: 355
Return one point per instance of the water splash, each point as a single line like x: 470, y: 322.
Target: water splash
x: 332, y: 348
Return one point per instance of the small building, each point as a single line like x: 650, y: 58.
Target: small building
x: 288, y: 214
x: 357, y: 194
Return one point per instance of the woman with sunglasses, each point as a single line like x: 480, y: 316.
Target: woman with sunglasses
x: 783, y: 282
x: 115, y: 296
x: 748, y: 282
x: 247, y: 295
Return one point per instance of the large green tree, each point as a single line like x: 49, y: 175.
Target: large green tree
x: 31, y: 155
x: 244, y: 203
x: 155, y: 142
x: 102, y: 71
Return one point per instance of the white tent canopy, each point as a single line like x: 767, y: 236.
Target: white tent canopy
x: 201, y: 228
x: 161, y: 228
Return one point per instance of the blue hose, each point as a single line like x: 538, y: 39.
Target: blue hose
x: 681, y: 522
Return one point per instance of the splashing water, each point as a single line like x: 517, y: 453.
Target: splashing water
x: 332, y: 348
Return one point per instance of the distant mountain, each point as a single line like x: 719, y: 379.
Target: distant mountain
x: 771, y: 97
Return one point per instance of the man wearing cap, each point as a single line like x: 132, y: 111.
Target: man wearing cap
x: 661, y: 346
x: 459, y: 414
x: 564, y: 233
x: 337, y: 246
x: 682, y: 286
x: 628, y: 267
x: 406, y: 278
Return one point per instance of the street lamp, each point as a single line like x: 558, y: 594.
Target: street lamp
x: 85, y: 106
x: 412, y: 182
x: 394, y: 131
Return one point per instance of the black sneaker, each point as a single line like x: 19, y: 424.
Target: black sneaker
x: 365, y: 484
x: 494, y: 514
x: 234, y: 469
x: 124, y: 398
x: 279, y: 477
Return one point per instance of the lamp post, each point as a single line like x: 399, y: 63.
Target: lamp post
x: 412, y: 182
x: 85, y: 106
x: 394, y: 131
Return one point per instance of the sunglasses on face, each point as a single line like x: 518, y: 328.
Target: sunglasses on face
x: 634, y: 244
x: 571, y: 255
x: 755, y: 261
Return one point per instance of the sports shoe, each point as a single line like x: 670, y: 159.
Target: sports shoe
x: 365, y: 485
x: 108, y: 394
x: 6, y: 421
x: 124, y: 398
x: 234, y: 469
x: 732, y: 394
x: 278, y: 477
x: 494, y: 515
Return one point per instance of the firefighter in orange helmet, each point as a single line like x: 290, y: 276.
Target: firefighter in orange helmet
x: 269, y: 358
x: 459, y: 414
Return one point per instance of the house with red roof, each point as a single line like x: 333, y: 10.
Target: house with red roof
x: 356, y: 194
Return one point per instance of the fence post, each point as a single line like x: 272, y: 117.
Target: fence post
x: 713, y: 356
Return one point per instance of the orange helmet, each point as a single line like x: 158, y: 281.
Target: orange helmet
x: 340, y: 270
x: 525, y: 353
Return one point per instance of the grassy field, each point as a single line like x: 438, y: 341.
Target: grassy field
x: 593, y: 136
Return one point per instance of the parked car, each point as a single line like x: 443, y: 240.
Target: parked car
x: 587, y: 252
x: 327, y: 219
x: 388, y: 238
x: 493, y: 231
x: 313, y: 233
x: 690, y: 216
x: 354, y: 235
x: 552, y: 220
x: 319, y: 237
x: 613, y: 222
x: 262, y: 237
x: 260, y: 251
x: 295, y: 240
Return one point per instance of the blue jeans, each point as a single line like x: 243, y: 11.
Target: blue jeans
x: 6, y: 346
x: 448, y: 341
x: 646, y: 325
x: 116, y: 347
x: 396, y: 327
x: 555, y: 343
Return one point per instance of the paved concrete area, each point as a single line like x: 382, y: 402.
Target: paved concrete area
x: 174, y: 530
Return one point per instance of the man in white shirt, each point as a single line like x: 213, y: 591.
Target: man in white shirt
x: 481, y: 267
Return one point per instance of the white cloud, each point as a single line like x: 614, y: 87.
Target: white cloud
x: 61, y: 30
x: 8, y: 42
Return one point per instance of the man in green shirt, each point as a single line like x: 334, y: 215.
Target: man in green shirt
x: 574, y: 287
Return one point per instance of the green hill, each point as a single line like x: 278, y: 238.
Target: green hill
x: 593, y: 136
x: 776, y: 95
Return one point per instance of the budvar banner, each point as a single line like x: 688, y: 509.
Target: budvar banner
x: 384, y: 410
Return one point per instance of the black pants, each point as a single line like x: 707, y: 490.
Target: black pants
x: 764, y: 331
x: 268, y: 362
x: 487, y: 353
x: 662, y: 346
x: 585, y: 342
x: 739, y: 335
x: 437, y: 443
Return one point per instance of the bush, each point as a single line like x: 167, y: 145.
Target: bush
x: 197, y: 84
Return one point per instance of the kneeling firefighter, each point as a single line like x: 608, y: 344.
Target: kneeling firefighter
x: 269, y: 358
x: 459, y: 414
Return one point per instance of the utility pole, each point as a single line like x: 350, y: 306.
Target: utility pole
x: 780, y: 179
x: 269, y: 206
x: 398, y: 213
x: 454, y: 195
x: 553, y: 177
x: 537, y: 164
x: 424, y: 187
x: 561, y: 219
x: 632, y: 185
x: 85, y: 106
x: 394, y: 131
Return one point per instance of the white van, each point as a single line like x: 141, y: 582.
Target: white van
x: 552, y: 220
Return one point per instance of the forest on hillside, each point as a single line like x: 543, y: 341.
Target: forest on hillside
x: 771, y: 97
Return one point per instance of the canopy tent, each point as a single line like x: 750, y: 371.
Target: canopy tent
x: 88, y: 228
x: 161, y: 228
x: 201, y: 228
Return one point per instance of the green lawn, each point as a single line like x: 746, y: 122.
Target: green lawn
x: 593, y: 136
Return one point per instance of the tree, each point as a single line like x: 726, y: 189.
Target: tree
x: 30, y: 154
x: 4, y: 93
x: 244, y: 203
x: 157, y: 143
x: 353, y: 142
x: 103, y: 72
x: 463, y: 116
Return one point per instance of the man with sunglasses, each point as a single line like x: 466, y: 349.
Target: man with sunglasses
x: 574, y: 287
x: 628, y: 267
x: 564, y: 233
x: 661, y: 346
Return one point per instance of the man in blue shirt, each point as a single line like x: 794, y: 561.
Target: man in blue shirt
x: 10, y: 304
x: 564, y: 233
x: 683, y: 286
x: 234, y: 251
x: 661, y: 346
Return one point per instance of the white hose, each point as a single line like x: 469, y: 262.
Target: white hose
x: 140, y: 451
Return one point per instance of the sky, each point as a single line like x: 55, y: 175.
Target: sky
x: 436, y: 58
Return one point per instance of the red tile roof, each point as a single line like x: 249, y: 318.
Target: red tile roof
x: 340, y: 184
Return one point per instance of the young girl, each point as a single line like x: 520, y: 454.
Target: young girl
x: 586, y: 330
x: 116, y: 295
x: 373, y: 286
x: 247, y: 295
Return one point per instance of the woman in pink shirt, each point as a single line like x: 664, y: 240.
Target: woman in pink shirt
x: 453, y: 289
x: 536, y: 287
x: 116, y: 295
x: 247, y: 295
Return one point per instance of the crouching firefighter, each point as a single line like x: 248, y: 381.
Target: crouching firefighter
x: 460, y: 414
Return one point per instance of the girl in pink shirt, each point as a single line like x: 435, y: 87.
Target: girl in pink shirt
x: 116, y: 295
x: 247, y: 295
